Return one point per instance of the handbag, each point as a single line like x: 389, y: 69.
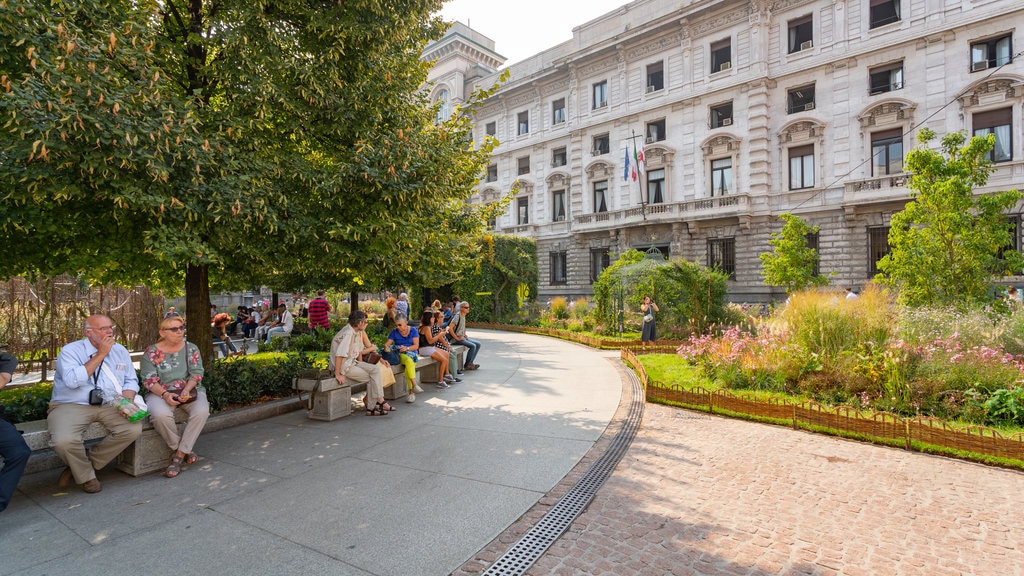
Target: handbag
x: 648, y: 317
x: 370, y: 357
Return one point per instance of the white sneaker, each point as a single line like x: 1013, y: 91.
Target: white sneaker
x: 442, y: 385
x: 416, y: 389
x: 410, y: 398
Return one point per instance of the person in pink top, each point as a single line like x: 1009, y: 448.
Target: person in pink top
x: 319, y: 311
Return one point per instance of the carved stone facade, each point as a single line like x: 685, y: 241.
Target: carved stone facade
x: 745, y: 110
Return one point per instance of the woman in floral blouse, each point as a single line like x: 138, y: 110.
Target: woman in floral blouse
x: 172, y: 372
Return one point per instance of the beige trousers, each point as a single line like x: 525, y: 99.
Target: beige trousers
x: 67, y: 423
x: 161, y: 414
x: 370, y: 374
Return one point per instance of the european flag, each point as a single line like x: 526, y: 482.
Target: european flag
x: 625, y: 167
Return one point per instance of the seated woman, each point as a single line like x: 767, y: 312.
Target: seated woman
x: 439, y: 339
x: 402, y: 344
x: 427, y: 348
x: 220, y: 336
x: 172, y: 372
x: 348, y: 345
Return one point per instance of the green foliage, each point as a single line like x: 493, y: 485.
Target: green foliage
x: 694, y: 296
x: 492, y: 282
x: 945, y: 245
x: 241, y: 381
x: 607, y: 287
x: 1006, y: 406
x: 26, y: 403
x: 791, y: 262
x: 559, y: 308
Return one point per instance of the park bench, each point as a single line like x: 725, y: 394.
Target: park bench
x: 329, y: 400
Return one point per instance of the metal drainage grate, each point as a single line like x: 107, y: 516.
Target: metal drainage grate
x: 518, y: 559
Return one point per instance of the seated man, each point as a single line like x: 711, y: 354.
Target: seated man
x: 348, y: 345
x: 283, y: 324
x: 95, y: 362
x: 13, y: 448
x: 457, y: 335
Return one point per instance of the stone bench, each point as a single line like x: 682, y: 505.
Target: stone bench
x: 149, y: 453
x: 329, y: 400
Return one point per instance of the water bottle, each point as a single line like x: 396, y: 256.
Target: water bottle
x: 128, y: 407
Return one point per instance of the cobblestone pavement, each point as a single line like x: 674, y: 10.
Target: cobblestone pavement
x: 701, y: 494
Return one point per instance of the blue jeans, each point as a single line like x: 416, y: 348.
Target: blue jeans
x: 275, y: 330
x: 474, y: 349
x: 15, y: 452
x: 225, y: 345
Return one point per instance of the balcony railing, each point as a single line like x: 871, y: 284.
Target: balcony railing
x: 877, y: 189
x: 718, y: 207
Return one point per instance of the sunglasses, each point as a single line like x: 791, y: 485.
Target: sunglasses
x: 176, y: 329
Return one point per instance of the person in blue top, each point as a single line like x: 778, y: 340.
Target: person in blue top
x: 95, y: 362
x: 401, y: 347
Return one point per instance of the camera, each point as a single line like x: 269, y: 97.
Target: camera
x: 95, y: 397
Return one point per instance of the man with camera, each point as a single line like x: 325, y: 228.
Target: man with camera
x: 12, y: 446
x: 88, y: 373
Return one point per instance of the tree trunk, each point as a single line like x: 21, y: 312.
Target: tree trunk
x: 353, y: 299
x: 197, y: 311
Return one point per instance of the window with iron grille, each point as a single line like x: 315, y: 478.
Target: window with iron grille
x: 878, y: 246
x: 722, y: 255
x: 599, y: 260
x: 559, y: 263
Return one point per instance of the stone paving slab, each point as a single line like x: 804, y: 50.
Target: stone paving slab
x: 701, y: 494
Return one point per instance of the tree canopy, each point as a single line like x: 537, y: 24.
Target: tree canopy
x: 791, y: 263
x: 947, y: 245
x: 234, y: 142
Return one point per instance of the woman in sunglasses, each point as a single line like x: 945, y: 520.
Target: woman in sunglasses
x: 172, y: 372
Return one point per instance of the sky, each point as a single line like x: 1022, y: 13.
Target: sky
x: 523, y: 28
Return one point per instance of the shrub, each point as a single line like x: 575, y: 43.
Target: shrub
x: 26, y: 403
x: 559, y: 308
x: 244, y: 380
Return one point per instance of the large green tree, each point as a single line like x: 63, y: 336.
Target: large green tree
x: 948, y: 244
x: 791, y: 262
x: 236, y: 142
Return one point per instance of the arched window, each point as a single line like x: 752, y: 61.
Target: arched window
x: 444, y: 112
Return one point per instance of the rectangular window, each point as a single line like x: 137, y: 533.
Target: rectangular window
x: 1013, y: 240
x: 558, y: 111
x: 886, y: 78
x: 655, y: 76
x: 991, y: 53
x: 656, y: 186
x: 721, y: 115
x: 492, y: 173
x: 524, y: 123
x: 801, y: 34
x: 558, y: 157
x: 722, y: 255
x: 599, y: 260
x: 523, y: 165
x: 655, y: 131
x: 812, y: 243
x: 878, y: 246
x: 523, y: 210
x: 602, y: 144
x: 801, y: 167
x: 800, y: 99
x: 887, y: 152
x: 558, y: 206
x: 1000, y: 123
x: 884, y: 12
x: 721, y: 176
x: 601, y: 196
x: 721, y: 55
x: 559, y: 261
x: 491, y: 128
x: 600, y: 95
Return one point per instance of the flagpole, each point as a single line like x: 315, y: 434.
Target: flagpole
x: 639, y: 176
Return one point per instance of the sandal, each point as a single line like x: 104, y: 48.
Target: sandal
x: 191, y: 458
x: 385, y: 406
x: 377, y: 410
x: 174, y: 468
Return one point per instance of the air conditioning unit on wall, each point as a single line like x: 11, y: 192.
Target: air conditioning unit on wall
x: 650, y: 89
x: 725, y: 66
x: 806, y: 45
x: 976, y: 66
x: 727, y: 122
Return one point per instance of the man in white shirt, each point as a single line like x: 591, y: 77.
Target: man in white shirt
x: 284, y: 323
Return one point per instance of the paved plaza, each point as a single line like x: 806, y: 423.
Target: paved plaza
x: 447, y: 484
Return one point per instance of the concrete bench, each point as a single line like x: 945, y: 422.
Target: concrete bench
x: 149, y: 453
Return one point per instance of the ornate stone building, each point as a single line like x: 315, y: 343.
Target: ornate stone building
x: 744, y: 110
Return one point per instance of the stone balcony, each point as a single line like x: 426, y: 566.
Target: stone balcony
x: 889, y: 188
x: 702, y: 209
